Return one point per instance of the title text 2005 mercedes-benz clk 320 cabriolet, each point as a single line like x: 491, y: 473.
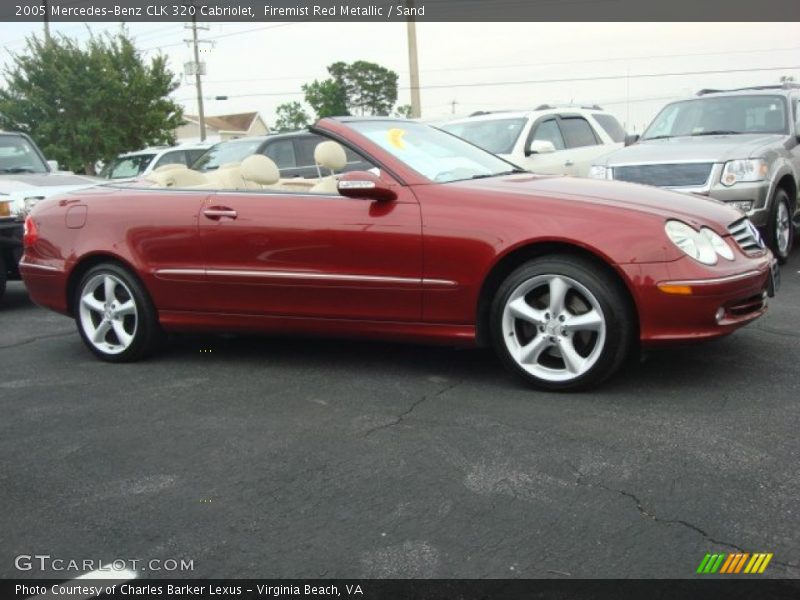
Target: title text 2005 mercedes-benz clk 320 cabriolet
x: 438, y: 241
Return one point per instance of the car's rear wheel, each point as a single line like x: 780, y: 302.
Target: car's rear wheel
x: 562, y: 323
x: 115, y: 316
x: 780, y: 231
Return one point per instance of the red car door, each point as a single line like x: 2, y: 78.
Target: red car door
x: 313, y: 255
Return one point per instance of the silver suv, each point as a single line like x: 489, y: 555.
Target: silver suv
x: 738, y: 146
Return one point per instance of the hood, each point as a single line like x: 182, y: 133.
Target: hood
x: 25, y: 181
x: 711, y: 148
x: 573, y: 191
x: 19, y: 186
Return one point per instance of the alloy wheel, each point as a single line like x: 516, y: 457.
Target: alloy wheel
x: 108, y: 313
x: 783, y: 226
x: 554, y: 327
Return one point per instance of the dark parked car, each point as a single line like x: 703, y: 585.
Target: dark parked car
x: 293, y: 153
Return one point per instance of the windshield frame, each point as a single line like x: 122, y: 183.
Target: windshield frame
x: 38, y: 153
x: 782, y: 98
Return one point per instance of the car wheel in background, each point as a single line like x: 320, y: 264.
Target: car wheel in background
x: 780, y: 230
x: 115, y: 316
x: 562, y: 323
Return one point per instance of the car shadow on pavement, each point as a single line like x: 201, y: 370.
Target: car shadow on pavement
x: 691, y: 367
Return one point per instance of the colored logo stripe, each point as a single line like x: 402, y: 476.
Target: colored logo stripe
x: 734, y: 563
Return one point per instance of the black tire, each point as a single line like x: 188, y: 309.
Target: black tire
x: 3, y: 276
x: 781, y: 211
x: 142, y: 327
x: 589, y: 285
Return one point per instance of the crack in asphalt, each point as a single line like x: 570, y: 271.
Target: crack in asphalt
x: 36, y: 338
x: 776, y: 331
x: 581, y: 481
x: 401, y: 417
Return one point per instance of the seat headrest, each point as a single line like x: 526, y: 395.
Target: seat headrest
x: 330, y: 155
x: 260, y: 169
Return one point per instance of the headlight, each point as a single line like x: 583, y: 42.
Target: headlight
x: 599, y: 172
x: 736, y: 171
x: 742, y: 205
x: 720, y: 246
x: 691, y: 242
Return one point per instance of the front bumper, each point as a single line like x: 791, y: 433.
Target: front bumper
x: 682, y: 301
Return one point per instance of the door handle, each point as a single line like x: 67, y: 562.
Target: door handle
x: 215, y: 213
x: 569, y: 163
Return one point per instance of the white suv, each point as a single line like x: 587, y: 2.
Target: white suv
x: 142, y: 162
x: 556, y: 140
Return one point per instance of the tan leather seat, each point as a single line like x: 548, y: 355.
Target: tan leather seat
x: 226, y: 177
x: 259, y: 172
x: 331, y: 156
x: 176, y: 176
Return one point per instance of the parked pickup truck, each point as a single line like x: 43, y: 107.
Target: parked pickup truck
x: 25, y: 178
x: 738, y: 146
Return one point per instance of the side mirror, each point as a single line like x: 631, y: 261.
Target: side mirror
x: 53, y: 164
x: 631, y: 138
x: 362, y: 184
x: 540, y: 147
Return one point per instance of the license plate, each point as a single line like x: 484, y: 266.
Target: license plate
x: 774, y: 278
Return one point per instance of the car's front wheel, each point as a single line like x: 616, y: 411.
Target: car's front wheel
x: 562, y: 323
x: 114, y: 314
x: 780, y: 231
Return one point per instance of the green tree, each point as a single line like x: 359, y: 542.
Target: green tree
x: 404, y: 111
x: 361, y: 88
x: 371, y: 88
x: 327, y: 97
x: 291, y: 117
x: 84, y: 104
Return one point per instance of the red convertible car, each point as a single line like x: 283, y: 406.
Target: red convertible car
x: 439, y: 241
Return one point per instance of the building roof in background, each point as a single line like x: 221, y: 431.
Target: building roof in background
x: 234, y: 122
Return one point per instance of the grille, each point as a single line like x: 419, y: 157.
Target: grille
x: 674, y: 175
x: 746, y: 235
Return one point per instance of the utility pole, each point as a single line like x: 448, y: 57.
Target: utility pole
x: 198, y: 69
x: 46, y: 20
x: 413, y: 64
x: 453, y: 103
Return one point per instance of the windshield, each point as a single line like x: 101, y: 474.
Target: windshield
x: 720, y: 115
x: 497, y: 136
x: 226, y: 152
x: 17, y: 155
x: 434, y: 154
x: 124, y: 167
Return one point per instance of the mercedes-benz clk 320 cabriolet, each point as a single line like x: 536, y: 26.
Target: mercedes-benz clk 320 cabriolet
x: 439, y: 241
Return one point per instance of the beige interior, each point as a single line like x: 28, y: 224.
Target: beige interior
x: 331, y: 156
x: 256, y: 172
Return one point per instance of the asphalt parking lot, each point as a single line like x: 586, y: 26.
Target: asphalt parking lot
x: 265, y: 457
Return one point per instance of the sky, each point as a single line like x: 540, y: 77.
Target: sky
x: 630, y: 69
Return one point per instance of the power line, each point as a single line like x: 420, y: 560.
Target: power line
x: 559, y: 80
x: 548, y: 64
